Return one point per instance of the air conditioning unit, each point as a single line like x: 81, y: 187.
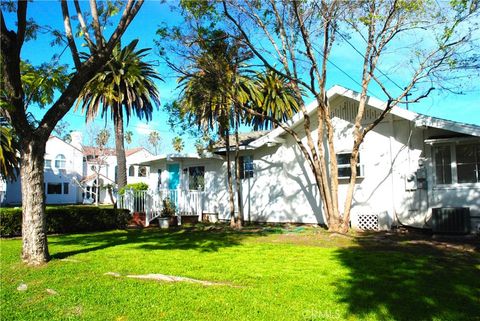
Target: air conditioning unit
x: 451, y: 220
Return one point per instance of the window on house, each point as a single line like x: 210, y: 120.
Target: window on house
x: 131, y: 171
x: 65, y: 188
x: 468, y: 163
x: 343, y: 163
x: 116, y: 173
x: 48, y: 164
x: 246, y: 167
x: 443, y: 164
x: 196, y: 178
x: 457, y: 163
x: 142, y: 171
x: 54, y: 188
x: 60, y: 161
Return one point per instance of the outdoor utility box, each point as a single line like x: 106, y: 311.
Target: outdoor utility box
x: 451, y: 220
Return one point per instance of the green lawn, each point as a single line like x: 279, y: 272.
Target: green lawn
x: 300, y: 275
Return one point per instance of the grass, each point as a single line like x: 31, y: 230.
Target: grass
x: 305, y: 274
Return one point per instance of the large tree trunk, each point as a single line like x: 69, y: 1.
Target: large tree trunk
x: 34, y: 237
x: 120, y: 149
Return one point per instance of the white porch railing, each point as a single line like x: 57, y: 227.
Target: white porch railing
x: 151, y: 203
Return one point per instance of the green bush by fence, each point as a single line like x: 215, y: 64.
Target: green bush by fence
x: 67, y: 219
x: 141, y: 186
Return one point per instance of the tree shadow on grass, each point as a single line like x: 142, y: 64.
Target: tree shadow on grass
x: 405, y: 281
x: 153, y: 239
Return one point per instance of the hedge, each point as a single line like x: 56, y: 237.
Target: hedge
x: 67, y: 219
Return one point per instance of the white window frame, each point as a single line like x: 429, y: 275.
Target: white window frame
x: 60, y: 161
x: 48, y: 164
x: 453, y: 166
x: 360, y: 173
x: 244, y: 171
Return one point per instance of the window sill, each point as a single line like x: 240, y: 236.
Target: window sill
x: 347, y: 179
x: 457, y: 186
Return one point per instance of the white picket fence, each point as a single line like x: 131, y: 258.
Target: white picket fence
x: 151, y: 203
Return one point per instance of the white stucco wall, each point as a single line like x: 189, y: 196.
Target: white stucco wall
x: 73, y: 169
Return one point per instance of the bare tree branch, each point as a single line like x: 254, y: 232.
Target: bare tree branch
x: 96, y: 24
x: 128, y: 14
x: 68, y: 33
x: 83, y: 26
x: 21, y: 23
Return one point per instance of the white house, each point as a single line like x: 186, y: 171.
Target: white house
x: 63, y: 166
x: 409, y: 165
x: 72, y: 170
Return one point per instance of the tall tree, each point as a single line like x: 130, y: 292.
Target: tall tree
x: 297, y: 43
x: 154, y: 140
x: 15, y: 100
x: 177, y: 143
x: 124, y: 86
x: 128, y: 137
x: 213, y: 87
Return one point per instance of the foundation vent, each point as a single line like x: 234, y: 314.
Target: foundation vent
x: 368, y: 222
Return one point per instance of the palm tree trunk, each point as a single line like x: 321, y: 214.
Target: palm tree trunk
x: 237, y: 171
x: 231, y: 201
x: 120, y: 149
x: 34, y: 236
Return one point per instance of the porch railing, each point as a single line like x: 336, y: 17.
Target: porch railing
x: 151, y: 202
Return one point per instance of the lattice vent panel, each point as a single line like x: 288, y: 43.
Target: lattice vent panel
x: 368, y: 222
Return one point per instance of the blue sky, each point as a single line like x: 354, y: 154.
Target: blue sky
x: 463, y: 108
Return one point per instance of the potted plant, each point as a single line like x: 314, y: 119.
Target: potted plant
x: 167, y: 215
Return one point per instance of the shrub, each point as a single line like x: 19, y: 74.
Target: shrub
x: 168, y: 208
x: 67, y: 219
x: 135, y: 186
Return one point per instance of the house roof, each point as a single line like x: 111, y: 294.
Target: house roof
x: 92, y: 177
x: 418, y: 119
x: 132, y: 151
x: 244, y: 139
x: 56, y: 137
x: 173, y: 157
x: 96, y: 151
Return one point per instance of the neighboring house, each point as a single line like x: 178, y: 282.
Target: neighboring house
x: 63, y: 165
x: 409, y: 164
x: 72, y: 170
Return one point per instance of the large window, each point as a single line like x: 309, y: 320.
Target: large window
x: 246, y: 167
x: 60, y: 161
x: 196, y: 178
x: 343, y: 162
x: 457, y: 163
x: 54, y: 188
x: 131, y: 171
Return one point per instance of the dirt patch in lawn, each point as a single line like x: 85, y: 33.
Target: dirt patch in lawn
x: 172, y: 278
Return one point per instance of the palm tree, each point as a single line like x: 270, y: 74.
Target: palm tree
x: 212, y: 91
x: 277, y: 100
x: 125, y: 86
x: 128, y: 137
x: 154, y: 140
x: 177, y: 143
x: 9, y: 155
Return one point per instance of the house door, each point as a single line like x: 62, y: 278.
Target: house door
x: 173, y: 175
